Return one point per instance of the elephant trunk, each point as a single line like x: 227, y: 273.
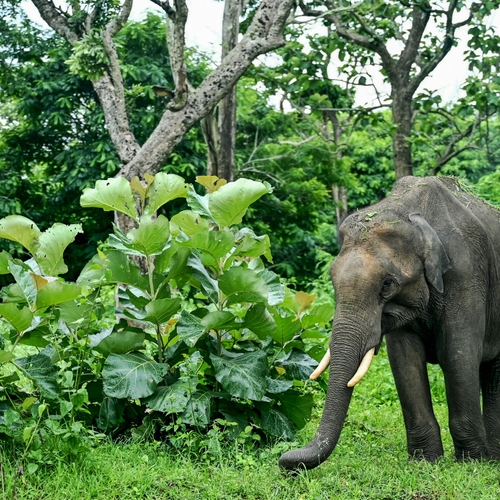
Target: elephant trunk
x: 349, y: 362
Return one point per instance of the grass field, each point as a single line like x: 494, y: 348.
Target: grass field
x: 370, y: 462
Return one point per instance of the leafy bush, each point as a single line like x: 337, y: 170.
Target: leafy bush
x: 200, y: 331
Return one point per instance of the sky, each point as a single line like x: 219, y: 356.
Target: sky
x: 204, y: 25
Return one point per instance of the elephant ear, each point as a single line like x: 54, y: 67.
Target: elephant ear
x: 436, y: 262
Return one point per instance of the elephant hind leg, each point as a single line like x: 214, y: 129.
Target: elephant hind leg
x: 490, y: 387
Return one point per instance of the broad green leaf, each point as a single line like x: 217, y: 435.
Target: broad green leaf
x: 179, y: 268
x: 6, y: 356
x: 286, y: 329
x: 26, y: 283
x: 276, y: 290
x: 240, y: 284
x: 219, y: 320
x: 151, y: 237
x: 79, y: 398
x: 215, y: 243
x: 208, y: 285
x: 173, y: 398
x: 276, y: 423
x: 36, y: 336
x: 198, y: 409
x: 198, y: 203
x: 20, y: 229
x: 117, y: 342
x: 229, y: 204
x: 112, y: 267
x: 242, y: 374
x: 210, y: 182
x: 259, y: 321
x: 275, y: 386
x: 131, y: 375
x: 250, y: 245
x: 297, y: 407
x: 40, y: 369
x: 114, y: 194
x: 298, y: 364
x: 20, y: 319
x: 318, y: 314
x: 189, y: 222
x: 53, y: 242
x: 165, y: 187
x: 189, y: 328
x: 164, y: 259
x: 161, y: 310
x: 57, y: 292
x: 77, y: 311
x: 111, y: 414
x: 5, y: 258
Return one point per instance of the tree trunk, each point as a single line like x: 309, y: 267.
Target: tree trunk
x: 402, y: 117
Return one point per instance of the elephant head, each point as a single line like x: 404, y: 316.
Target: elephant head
x: 382, y: 278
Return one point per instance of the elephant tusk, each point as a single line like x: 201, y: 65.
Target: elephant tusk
x: 363, y: 368
x: 323, y: 365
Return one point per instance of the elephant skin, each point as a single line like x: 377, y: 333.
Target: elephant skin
x: 421, y: 267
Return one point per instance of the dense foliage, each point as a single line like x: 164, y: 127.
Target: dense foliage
x: 202, y: 332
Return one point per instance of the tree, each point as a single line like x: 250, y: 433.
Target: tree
x: 91, y: 28
x: 366, y: 34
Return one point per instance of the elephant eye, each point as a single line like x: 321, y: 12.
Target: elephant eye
x: 388, y: 285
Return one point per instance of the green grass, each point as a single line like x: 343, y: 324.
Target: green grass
x: 370, y: 462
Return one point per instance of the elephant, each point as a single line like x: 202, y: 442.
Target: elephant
x: 422, y: 269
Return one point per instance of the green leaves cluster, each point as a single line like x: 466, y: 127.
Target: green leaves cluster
x: 201, y: 330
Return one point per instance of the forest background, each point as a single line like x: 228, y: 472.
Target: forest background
x: 95, y: 95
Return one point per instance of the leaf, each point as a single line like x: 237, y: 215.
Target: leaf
x: 304, y: 300
x: 20, y: 229
x: 20, y: 319
x: 114, y: 194
x: 173, y: 398
x: 276, y: 423
x: 219, y: 320
x: 298, y: 364
x: 112, y: 267
x: 6, y: 356
x: 229, y: 204
x: 198, y: 203
x: 23, y: 278
x: 53, y: 242
x: 198, y: 409
x: 189, y: 328
x: 110, y: 414
x: 40, y: 369
x: 161, y: 310
x: 57, y: 292
x: 151, y: 237
x: 276, y: 290
x: 164, y: 188
x: 131, y: 375
x: 250, y: 245
x: 189, y: 222
x: 215, y: 243
x: 241, y: 284
x: 286, y: 329
x: 242, y: 374
x: 297, y: 407
x: 117, y: 342
x: 210, y: 182
x: 259, y: 321
x: 208, y: 285
x: 275, y: 386
x: 318, y: 314
x: 5, y: 258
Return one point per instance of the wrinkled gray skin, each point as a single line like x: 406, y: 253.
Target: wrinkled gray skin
x: 422, y: 267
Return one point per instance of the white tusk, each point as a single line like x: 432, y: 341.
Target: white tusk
x: 323, y: 365
x: 363, y: 368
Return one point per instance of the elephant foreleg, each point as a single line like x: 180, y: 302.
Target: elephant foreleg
x: 490, y: 386
x: 408, y: 362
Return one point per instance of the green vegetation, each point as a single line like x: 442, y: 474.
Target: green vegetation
x: 370, y: 462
